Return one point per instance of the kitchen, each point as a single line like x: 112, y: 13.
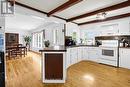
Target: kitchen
x: 79, y: 49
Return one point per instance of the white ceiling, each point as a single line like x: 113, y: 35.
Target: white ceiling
x: 87, y: 6
x: 109, y: 14
x: 82, y: 7
x: 23, y: 22
x: 43, y: 5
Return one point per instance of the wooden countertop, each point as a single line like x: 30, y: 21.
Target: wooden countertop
x: 54, y: 49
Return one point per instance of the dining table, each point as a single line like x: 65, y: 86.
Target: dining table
x: 14, y: 51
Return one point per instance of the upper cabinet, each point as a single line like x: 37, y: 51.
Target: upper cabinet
x: 124, y: 27
x: 110, y: 29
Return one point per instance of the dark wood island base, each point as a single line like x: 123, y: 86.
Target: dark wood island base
x: 53, y: 65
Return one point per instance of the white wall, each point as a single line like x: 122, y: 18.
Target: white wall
x: 70, y: 28
x: 49, y: 25
x: 122, y: 28
x: 20, y: 32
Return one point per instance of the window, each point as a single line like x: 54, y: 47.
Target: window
x: 74, y: 36
x: 37, y: 39
x: 55, y: 36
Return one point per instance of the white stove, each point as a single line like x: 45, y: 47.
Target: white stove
x: 109, y: 52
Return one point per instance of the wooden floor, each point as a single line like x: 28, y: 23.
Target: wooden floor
x: 25, y: 72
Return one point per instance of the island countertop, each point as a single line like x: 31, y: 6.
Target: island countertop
x: 54, y: 49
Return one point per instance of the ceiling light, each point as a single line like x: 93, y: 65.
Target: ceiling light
x: 101, y: 16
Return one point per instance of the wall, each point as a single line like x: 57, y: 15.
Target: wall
x: 49, y: 25
x: 20, y: 32
x: 70, y: 28
x: 123, y: 28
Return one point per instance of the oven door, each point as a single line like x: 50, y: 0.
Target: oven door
x: 109, y: 53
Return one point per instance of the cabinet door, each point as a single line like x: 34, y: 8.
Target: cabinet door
x: 85, y: 54
x: 125, y: 58
x: 93, y: 54
x: 74, y: 55
x: 80, y: 54
x: 124, y: 28
x: 111, y: 29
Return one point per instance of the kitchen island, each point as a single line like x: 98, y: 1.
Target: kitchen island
x: 53, y: 64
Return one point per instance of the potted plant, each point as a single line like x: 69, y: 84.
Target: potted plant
x: 47, y: 43
x: 27, y: 40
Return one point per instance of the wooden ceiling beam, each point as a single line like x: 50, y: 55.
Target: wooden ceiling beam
x: 34, y: 9
x: 114, y: 7
x: 107, y: 19
x: 64, y: 6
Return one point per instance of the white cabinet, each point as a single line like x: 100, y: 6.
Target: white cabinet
x: 77, y: 54
x: 73, y: 55
x: 124, y: 59
x: 80, y: 53
x: 93, y: 54
x: 85, y: 53
x: 124, y: 27
x: 110, y: 29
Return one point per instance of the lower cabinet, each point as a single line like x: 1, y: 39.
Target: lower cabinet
x: 124, y: 59
x: 85, y: 53
x: 77, y: 54
x: 93, y: 54
x: 80, y: 54
x: 73, y: 55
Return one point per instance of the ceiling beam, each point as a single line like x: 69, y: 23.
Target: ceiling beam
x: 34, y: 9
x: 28, y: 7
x: 114, y: 7
x: 64, y: 6
x: 107, y: 19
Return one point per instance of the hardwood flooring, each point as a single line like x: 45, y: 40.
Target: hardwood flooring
x: 25, y: 72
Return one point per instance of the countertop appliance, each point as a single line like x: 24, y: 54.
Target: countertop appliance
x: 109, y: 52
x: 69, y: 41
